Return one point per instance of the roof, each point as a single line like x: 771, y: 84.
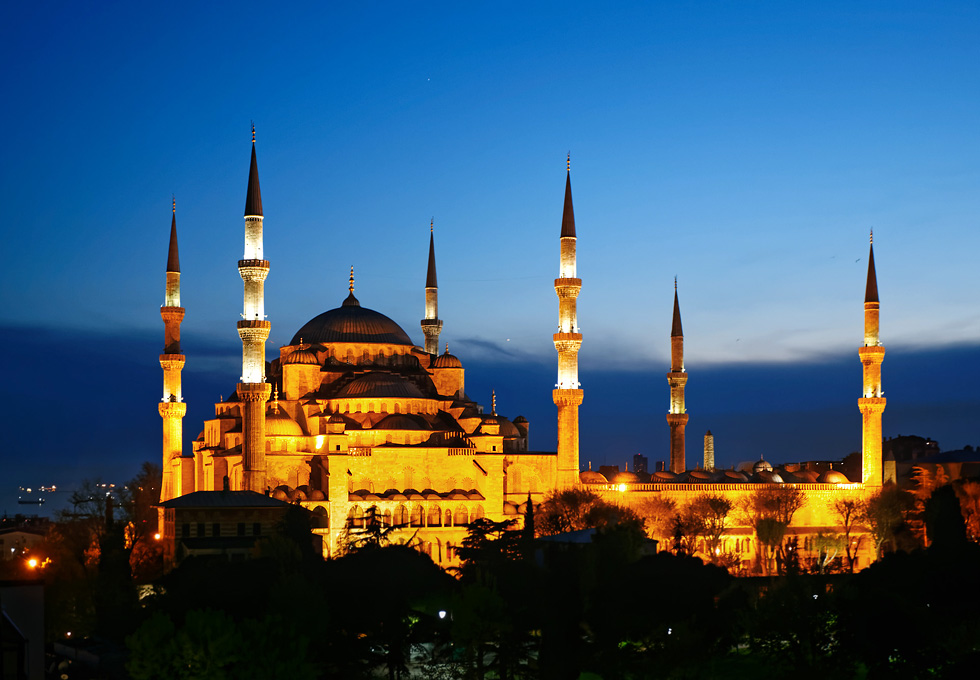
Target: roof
x: 871, y: 292
x: 253, y: 196
x: 430, y: 275
x: 352, y: 323
x: 223, y: 499
x: 568, y: 214
x: 173, y: 260
x: 676, y: 330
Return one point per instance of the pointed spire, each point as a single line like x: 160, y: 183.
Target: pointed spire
x: 676, y: 331
x: 253, y: 196
x: 493, y: 402
x: 173, y: 259
x: 351, y: 301
x: 568, y: 214
x: 430, y: 276
x: 871, y: 292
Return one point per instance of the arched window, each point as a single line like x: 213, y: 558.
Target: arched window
x: 386, y: 518
x: 401, y: 516
x: 478, y: 512
x: 449, y: 518
x: 435, y: 517
x: 460, y: 517
x: 355, y: 518
x: 417, y: 516
x: 321, y: 519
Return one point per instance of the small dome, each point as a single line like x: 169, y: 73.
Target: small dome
x: 766, y: 477
x: 807, y: 476
x: 662, y: 476
x: 733, y: 477
x: 699, y: 477
x: 762, y: 465
x: 335, y: 418
x: 833, y: 477
x: 507, y: 428
x: 301, y: 356
x: 624, y: 478
x: 380, y: 385
x: 520, y: 420
x: 281, y: 425
x: 446, y: 360
x: 592, y: 477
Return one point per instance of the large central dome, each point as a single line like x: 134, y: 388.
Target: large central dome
x: 352, y: 323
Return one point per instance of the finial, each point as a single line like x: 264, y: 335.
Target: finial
x: 493, y: 402
x: 351, y: 287
x: 431, y: 223
x: 568, y: 162
x: 253, y: 132
x: 675, y: 283
x: 275, y: 400
x: 871, y: 238
x: 175, y: 203
x: 447, y: 348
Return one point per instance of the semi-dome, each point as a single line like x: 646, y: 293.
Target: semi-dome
x: 402, y: 421
x: 376, y: 384
x: 279, y: 424
x: 352, y: 323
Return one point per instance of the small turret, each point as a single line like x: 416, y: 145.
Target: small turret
x: 172, y: 407
x: 871, y: 403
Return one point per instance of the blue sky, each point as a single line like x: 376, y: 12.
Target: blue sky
x: 746, y: 148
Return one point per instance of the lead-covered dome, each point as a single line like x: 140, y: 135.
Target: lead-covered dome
x: 352, y: 323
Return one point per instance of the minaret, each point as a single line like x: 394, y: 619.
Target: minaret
x: 568, y: 392
x: 871, y: 403
x: 253, y: 390
x: 172, y: 407
x: 677, y: 378
x: 431, y: 324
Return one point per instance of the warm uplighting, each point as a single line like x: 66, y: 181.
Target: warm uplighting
x: 319, y: 441
x: 156, y: 537
x: 32, y: 563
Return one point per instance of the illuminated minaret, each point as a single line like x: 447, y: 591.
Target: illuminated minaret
x: 253, y: 390
x: 431, y: 324
x: 568, y: 392
x: 677, y: 378
x: 871, y: 403
x: 172, y: 407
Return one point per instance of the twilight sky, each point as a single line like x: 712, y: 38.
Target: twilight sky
x: 746, y: 148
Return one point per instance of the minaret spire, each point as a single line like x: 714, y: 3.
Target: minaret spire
x: 253, y: 329
x: 568, y: 392
x: 431, y: 324
x: 871, y: 403
x: 172, y: 407
x: 677, y: 378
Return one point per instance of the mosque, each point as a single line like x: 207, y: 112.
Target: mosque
x: 352, y: 415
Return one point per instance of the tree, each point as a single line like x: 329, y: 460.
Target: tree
x: 884, y: 514
x: 925, y: 482
x: 658, y: 516
x: 769, y: 511
x: 848, y: 511
x: 968, y: 492
x: 575, y: 509
x: 711, y: 513
x: 828, y: 547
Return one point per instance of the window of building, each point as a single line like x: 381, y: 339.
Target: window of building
x: 216, y: 529
x: 185, y: 530
x: 200, y: 529
x: 256, y: 529
x: 241, y: 528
